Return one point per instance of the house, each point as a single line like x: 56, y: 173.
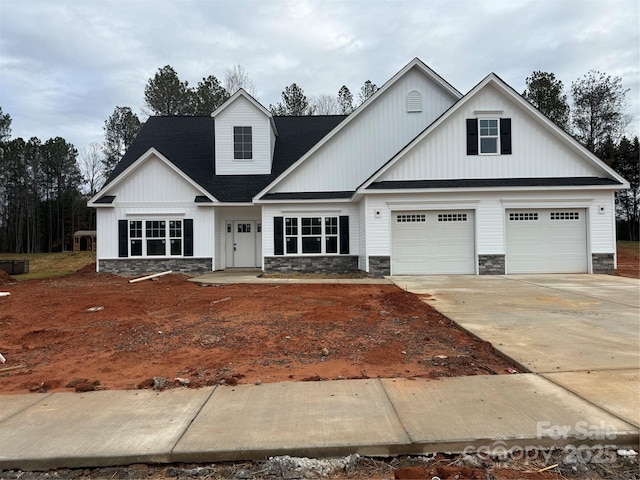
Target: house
x: 420, y: 179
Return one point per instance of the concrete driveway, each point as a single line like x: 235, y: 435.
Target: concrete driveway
x: 581, y: 332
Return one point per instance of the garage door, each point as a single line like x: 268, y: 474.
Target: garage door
x: 426, y: 242
x: 546, y: 241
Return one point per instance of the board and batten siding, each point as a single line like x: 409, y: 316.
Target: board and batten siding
x: 154, y: 191
x: 489, y: 207
x: 536, y: 152
x: 317, y: 210
x: 371, y: 139
x: 242, y: 113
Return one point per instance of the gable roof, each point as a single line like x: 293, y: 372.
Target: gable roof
x: 188, y: 144
x: 415, y: 63
x: 492, y: 79
x: 243, y: 93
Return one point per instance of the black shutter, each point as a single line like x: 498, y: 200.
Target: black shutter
x: 188, y: 237
x: 123, y: 238
x: 472, y: 136
x: 344, y: 235
x: 505, y: 136
x: 278, y: 236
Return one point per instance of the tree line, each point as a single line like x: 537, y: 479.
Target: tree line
x: 44, y: 186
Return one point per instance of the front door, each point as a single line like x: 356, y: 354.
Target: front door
x: 244, y: 244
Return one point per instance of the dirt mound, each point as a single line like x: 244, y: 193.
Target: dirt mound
x: 87, y: 270
x: 6, y: 279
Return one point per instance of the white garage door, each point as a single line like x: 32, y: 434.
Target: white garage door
x: 432, y: 243
x: 546, y: 241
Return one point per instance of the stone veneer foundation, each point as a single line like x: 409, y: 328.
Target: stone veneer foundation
x: 602, y: 262
x: 491, y: 264
x: 379, y: 266
x: 142, y: 266
x: 319, y: 264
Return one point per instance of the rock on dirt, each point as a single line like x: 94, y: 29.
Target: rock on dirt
x: 287, y: 467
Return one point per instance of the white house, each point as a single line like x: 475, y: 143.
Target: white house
x: 420, y: 179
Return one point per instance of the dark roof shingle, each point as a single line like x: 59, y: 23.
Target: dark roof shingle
x: 188, y: 143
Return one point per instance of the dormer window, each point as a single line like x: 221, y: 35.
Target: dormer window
x: 242, y: 143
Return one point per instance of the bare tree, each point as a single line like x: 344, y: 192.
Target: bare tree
x: 90, y: 161
x: 325, y: 105
x: 236, y: 78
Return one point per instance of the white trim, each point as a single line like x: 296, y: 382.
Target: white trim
x: 537, y: 203
x: 416, y: 62
x: 303, y: 201
x: 322, y: 211
x: 433, y: 205
x: 396, y: 191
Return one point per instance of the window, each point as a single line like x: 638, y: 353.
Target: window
x: 155, y: 239
x: 488, y: 136
x: 523, y: 217
x: 155, y: 231
x: 311, y: 235
x: 135, y: 237
x: 175, y: 237
x: 331, y: 234
x: 242, y: 143
x: 411, y: 218
x: 291, y: 235
x: 452, y: 217
x: 565, y: 215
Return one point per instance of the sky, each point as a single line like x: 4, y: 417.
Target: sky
x: 66, y: 64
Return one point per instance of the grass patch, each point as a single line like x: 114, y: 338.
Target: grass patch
x: 629, y: 248
x: 46, y: 265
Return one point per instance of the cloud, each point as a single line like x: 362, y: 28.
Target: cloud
x: 65, y: 65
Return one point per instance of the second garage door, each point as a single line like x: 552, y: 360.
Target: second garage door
x: 546, y: 241
x: 427, y: 242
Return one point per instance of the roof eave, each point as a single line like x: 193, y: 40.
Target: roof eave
x: 395, y: 191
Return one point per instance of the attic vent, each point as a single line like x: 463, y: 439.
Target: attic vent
x: 414, y: 101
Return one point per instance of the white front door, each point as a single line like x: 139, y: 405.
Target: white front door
x: 244, y: 244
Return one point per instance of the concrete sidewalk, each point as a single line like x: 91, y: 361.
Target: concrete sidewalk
x: 252, y: 422
x: 578, y: 334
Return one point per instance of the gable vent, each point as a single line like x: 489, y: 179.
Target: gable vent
x: 414, y: 101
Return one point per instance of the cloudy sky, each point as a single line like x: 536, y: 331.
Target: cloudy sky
x: 66, y: 64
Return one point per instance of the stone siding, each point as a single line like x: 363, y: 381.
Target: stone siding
x: 602, y: 262
x: 328, y: 264
x: 491, y: 264
x: 379, y: 266
x: 130, y: 267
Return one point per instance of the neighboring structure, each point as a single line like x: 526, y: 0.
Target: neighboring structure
x: 84, y: 240
x: 418, y: 180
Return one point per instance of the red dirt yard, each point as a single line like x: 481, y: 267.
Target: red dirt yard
x: 52, y: 336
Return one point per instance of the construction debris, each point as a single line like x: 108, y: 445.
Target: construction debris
x: 149, y: 277
x: 5, y: 294
x: 225, y: 299
x: 15, y: 367
x: 2, y: 359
